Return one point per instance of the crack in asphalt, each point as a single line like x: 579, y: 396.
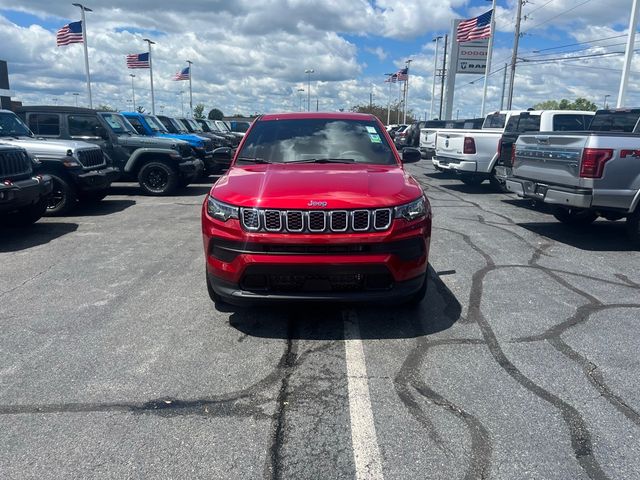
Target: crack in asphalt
x: 579, y: 433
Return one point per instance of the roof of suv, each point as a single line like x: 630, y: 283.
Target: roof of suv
x: 303, y: 115
x: 49, y: 108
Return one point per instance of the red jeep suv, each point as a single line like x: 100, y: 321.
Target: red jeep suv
x: 317, y: 206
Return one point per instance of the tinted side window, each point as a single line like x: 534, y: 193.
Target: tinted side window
x: 82, y: 125
x: 512, y: 124
x: 45, y: 123
x: 495, y: 120
x: 137, y: 125
x: 529, y: 123
x: 616, y: 121
x: 568, y: 123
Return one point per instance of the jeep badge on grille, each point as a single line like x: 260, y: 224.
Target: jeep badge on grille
x: 314, y: 203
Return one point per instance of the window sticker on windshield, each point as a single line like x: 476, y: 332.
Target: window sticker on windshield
x: 371, y: 129
x: 375, y: 138
x: 113, y: 123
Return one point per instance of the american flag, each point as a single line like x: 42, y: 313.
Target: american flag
x: 402, y: 75
x: 475, y: 28
x: 138, y: 60
x: 70, y: 33
x: 393, y: 78
x: 182, y: 74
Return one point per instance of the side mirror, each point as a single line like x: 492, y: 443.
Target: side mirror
x: 100, y: 131
x: 222, y: 153
x: 410, y: 155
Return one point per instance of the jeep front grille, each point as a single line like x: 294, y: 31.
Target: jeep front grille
x: 91, y: 158
x: 14, y: 163
x: 316, y: 221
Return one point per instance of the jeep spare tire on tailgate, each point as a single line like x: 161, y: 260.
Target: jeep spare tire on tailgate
x: 317, y: 206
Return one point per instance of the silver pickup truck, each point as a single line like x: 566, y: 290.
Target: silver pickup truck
x: 584, y: 175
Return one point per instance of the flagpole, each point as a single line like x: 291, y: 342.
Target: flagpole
x: 86, y: 51
x: 153, y: 101
x: 633, y: 22
x: 388, y: 97
x: 406, y: 91
x: 487, y: 67
x: 190, y: 91
x: 433, y: 85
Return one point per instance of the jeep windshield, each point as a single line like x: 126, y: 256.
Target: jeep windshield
x: 179, y: 125
x: 155, y: 124
x: 118, y: 124
x: 223, y: 126
x: 195, y: 126
x: 12, y: 126
x: 316, y: 140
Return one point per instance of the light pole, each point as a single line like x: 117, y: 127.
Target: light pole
x: 300, y: 90
x: 153, y: 101
x: 182, y: 101
x: 133, y: 91
x: 309, y: 71
x: 605, y: 101
x: 389, y: 77
x: 86, y: 51
x: 435, y: 69
x: 190, y: 90
x: 76, y: 94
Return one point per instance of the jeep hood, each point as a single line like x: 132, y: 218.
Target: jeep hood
x: 148, y: 142
x: 46, y: 147
x: 295, y: 186
x: 186, y: 137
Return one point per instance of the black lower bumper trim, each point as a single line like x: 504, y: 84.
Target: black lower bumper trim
x: 97, y: 179
x: 234, y: 294
x: 22, y: 193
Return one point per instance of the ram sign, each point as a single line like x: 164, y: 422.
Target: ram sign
x: 472, y: 57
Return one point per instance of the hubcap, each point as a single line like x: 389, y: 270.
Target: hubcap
x: 56, y: 198
x: 157, y: 178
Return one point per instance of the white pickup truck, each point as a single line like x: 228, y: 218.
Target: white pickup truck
x: 472, y: 153
x: 429, y: 132
x: 584, y: 175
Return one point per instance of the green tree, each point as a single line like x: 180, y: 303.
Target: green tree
x: 198, y: 111
x: 564, y: 104
x: 215, y: 114
x: 381, y: 112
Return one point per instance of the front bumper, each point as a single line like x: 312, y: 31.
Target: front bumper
x: 235, y: 294
x: 97, y: 179
x: 551, y: 194
x: 191, y: 168
x: 23, y: 192
x: 243, y: 266
x: 446, y: 163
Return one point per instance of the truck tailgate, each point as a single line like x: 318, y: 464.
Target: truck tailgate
x: 552, y: 159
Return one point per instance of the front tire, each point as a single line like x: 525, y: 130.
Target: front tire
x: 417, y: 297
x: 633, y: 226
x: 215, y: 298
x: 157, y: 178
x: 576, y: 217
x: 63, y: 197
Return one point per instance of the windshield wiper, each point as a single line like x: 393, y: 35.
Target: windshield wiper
x: 324, y: 160
x: 253, y: 159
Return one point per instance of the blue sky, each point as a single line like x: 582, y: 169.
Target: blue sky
x: 250, y: 55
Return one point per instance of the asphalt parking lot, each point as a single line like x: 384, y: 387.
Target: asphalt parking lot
x: 522, y: 361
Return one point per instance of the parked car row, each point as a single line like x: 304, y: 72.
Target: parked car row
x: 583, y: 164
x: 74, y: 155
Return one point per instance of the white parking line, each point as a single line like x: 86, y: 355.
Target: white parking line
x: 366, y: 452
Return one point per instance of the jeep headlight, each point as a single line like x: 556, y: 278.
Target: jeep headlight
x: 220, y: 210
x: 413, y: 210
x: 71, y: 162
